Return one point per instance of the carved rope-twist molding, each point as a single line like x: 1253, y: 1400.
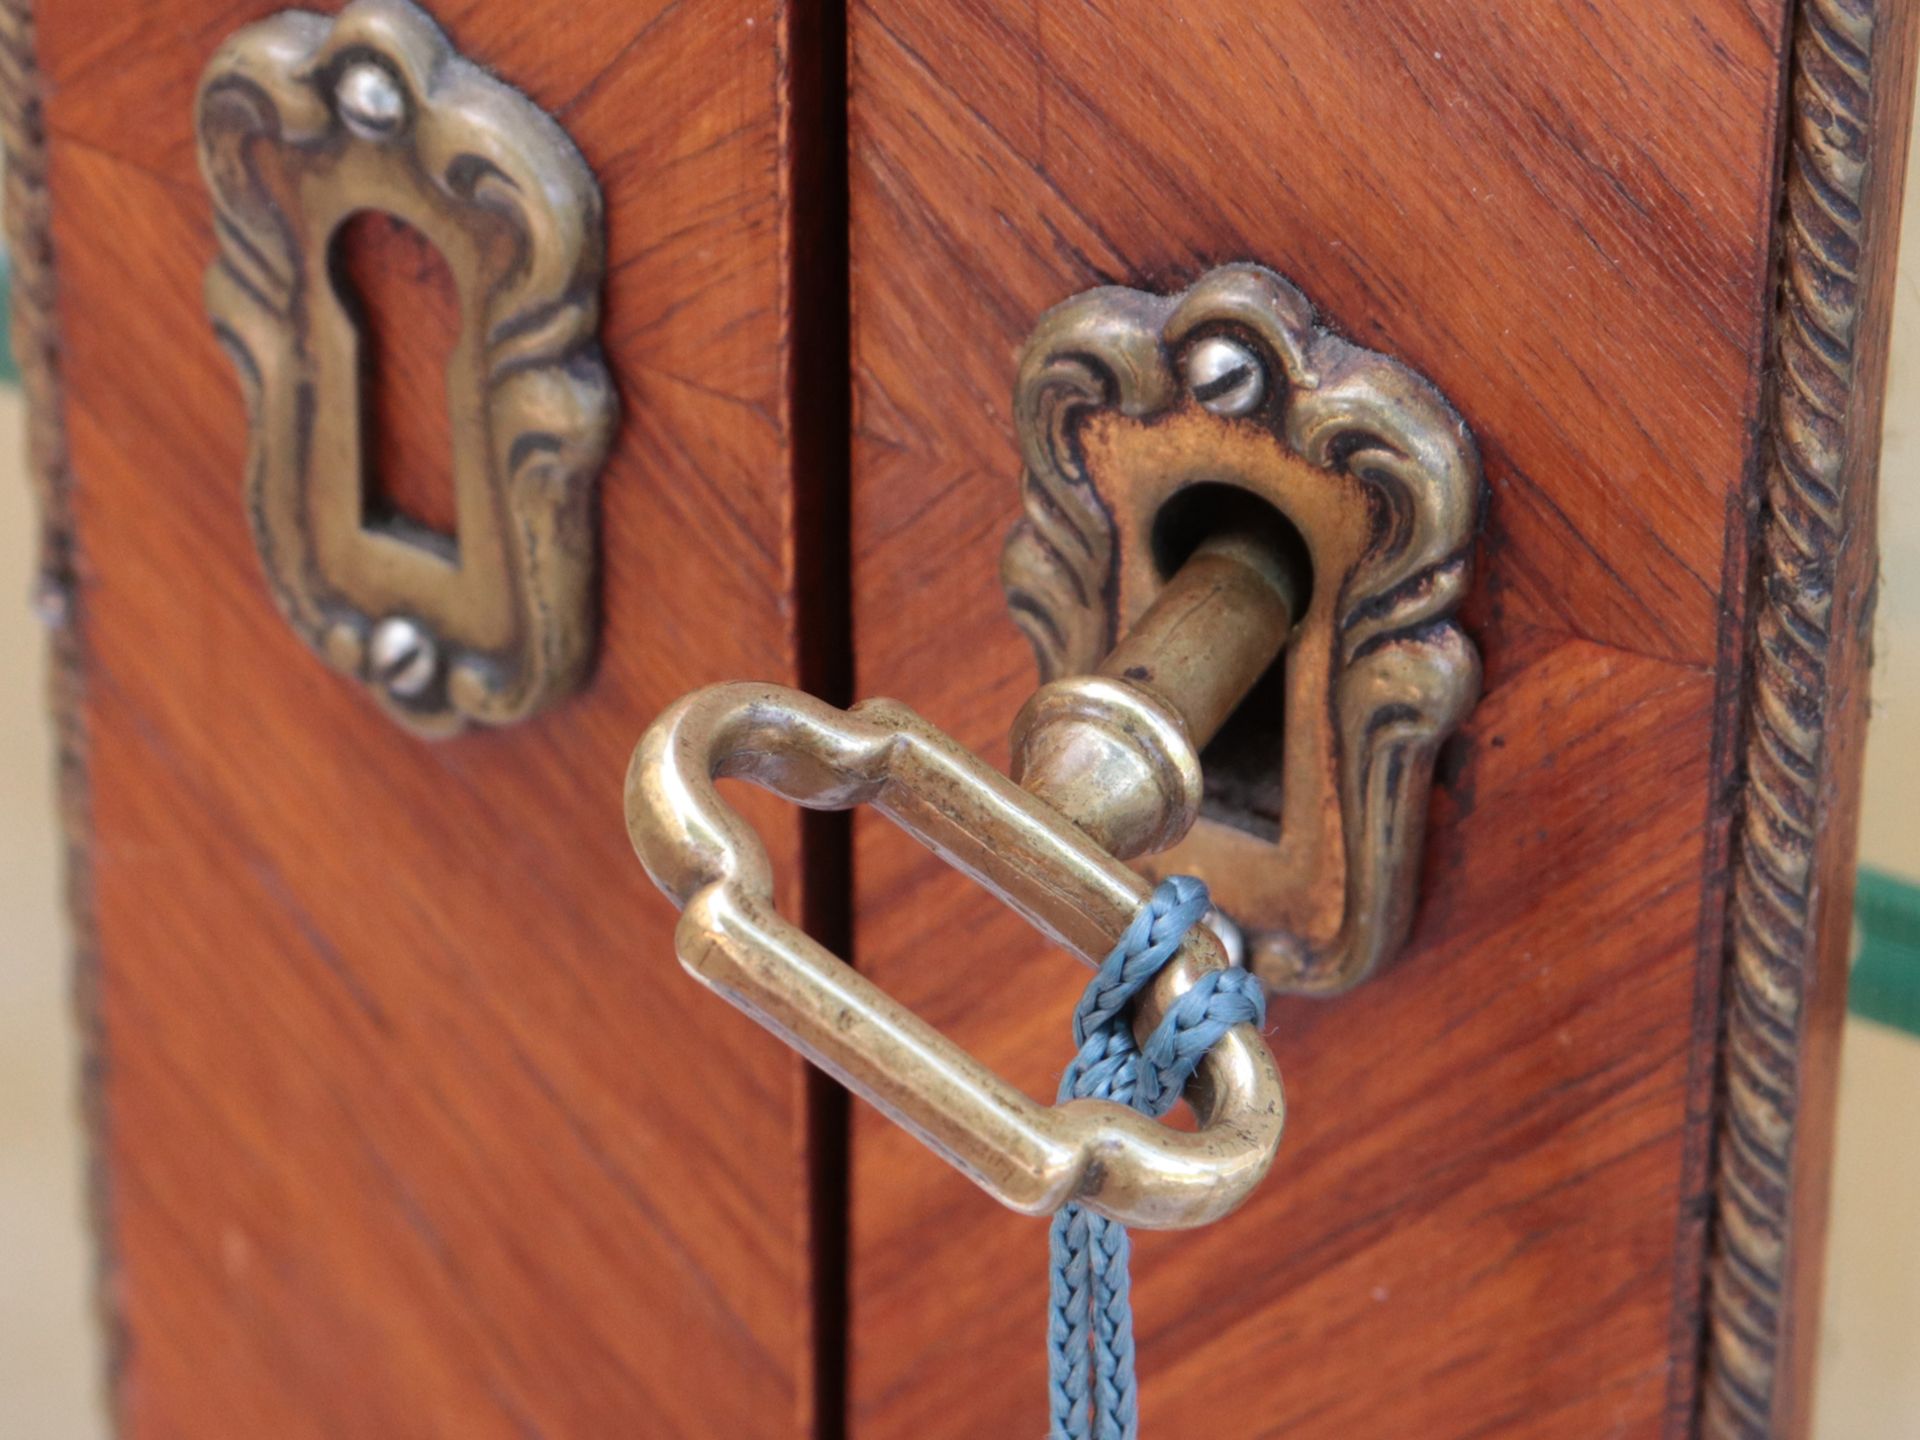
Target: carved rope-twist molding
x: 1772, y: 940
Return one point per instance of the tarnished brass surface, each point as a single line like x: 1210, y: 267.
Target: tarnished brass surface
x: 1117, y: 751
x: 305, y: 120
x: 1127, y: 400
x: 1032, y: 1157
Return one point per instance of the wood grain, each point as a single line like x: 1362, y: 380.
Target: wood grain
x: 411, y: 1125
x: 1487, y: 1218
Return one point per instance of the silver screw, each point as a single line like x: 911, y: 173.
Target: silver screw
x: 402, y: 657
x: 1232, y: 938
x: 1226, y: 376
x: 370, y: 101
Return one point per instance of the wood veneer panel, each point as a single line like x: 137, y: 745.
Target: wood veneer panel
x: 410, y: 1124
x: 1488, y: 1216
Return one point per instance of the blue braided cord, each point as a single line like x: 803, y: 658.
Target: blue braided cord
x: 1090, y: 1355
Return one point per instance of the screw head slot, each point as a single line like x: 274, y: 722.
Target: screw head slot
x: 401, y: 655
x: 370, y: 100
x: 1226, y: 376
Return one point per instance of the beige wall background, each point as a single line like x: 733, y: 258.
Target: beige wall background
x: 1869, y: 1385
x: 49, y: 1350
x: 50, y: 1366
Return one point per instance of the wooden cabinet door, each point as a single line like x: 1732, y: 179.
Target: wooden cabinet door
x: 405, y: 1124
x: 1560, y: 1172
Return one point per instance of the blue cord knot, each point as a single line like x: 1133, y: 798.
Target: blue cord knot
x: 1090, y: 1354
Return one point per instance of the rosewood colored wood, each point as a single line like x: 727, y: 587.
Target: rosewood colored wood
x: 1490, y: 1215
x: 407, y: 1122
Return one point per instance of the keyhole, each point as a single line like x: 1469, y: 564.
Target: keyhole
x: 395, y: 284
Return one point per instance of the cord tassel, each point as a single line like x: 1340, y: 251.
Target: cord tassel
x: 1091, y: 1389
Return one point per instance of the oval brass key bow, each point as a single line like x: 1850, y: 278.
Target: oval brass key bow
x: 1032, y: 1157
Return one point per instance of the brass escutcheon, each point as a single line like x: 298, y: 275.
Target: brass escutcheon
x: 304, y: 121
x: 1128, y: 403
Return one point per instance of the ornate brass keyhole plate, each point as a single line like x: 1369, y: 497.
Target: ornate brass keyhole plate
x: 305, y: 121
x: 1129, y: 401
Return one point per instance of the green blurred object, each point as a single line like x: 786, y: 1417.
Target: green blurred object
x: 1886, y: 973
x: 9, y: 372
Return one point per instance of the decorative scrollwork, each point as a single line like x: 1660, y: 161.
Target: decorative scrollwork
x: 1382, y: 483
x: 1773, y: 931
x: 304, y: 121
